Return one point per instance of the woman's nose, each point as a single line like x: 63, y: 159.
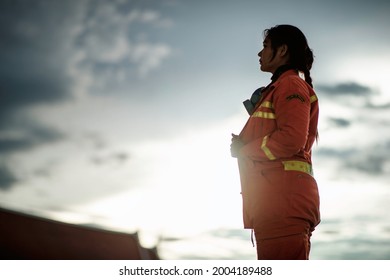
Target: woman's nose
x: 259, y: 54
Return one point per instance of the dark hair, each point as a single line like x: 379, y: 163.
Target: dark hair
x: 301, y: 56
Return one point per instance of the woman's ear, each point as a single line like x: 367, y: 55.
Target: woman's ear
x: 283, y: 50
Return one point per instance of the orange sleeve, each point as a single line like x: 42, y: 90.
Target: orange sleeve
x: 292, y: 110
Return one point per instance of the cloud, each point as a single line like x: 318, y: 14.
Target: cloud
x: 113, y: 43
x: 48, y: 48
x: 372, y: 164
x: 27, y: 135
x: 32, y: 55
x: 339, y: 122
x: 352, y: 116
x: 384, y: 106
x: 372, y: 160
x: 149, y: 56
x: 34, y: 52
x: 327, y: 152
x: 7, y: 179
x: 21, y: 136
x: 54, y: 52
x: 347, y: 88
x: 117, y: 158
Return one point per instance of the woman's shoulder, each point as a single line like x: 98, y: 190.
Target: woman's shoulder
x: 292, y: 87
x: 292, y: 82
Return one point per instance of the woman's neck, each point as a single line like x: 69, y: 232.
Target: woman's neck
x: 280, y: 71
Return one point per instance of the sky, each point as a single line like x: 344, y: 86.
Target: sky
x: 119, y: 113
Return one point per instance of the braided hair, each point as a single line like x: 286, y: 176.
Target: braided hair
x: 301, y: 56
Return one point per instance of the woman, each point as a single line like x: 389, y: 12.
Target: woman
x: 280, y: 194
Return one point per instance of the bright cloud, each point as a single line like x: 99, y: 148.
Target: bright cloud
x: 110, y: 46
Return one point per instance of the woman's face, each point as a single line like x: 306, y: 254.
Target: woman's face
x: 268, y: 61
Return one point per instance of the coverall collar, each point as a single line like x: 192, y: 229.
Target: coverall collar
x: 280, y: 71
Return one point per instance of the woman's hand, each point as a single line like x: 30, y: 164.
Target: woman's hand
x: 235, y: 146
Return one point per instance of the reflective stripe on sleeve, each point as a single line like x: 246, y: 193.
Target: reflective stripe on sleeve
x: 267, y: 104
x: 264, y: 115
x: 265, y: 149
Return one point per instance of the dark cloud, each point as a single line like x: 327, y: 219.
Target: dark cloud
x: 33, y: 68
x: 24, y: 134
x: 372, y: 160
x: 33, y: 53
x: 339, y: 122
x: 34, y: 56
x: 350, y: 88
x: 18, y: 91
x: 372, y: 164
x: 27, y: 137
x: 334, y: 152
x: 367, y: 160
x: 48, y: 48
x: 384, y: 106
x: 117, y: 158
x: 121, y: 157
x: 96, y: 140
x: 7, y: 178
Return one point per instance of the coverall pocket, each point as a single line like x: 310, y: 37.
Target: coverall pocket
x: 274, y: 177
x: 272, y: 199
x: 304, y: 198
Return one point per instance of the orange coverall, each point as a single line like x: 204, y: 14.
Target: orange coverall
x: 280, y: 195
